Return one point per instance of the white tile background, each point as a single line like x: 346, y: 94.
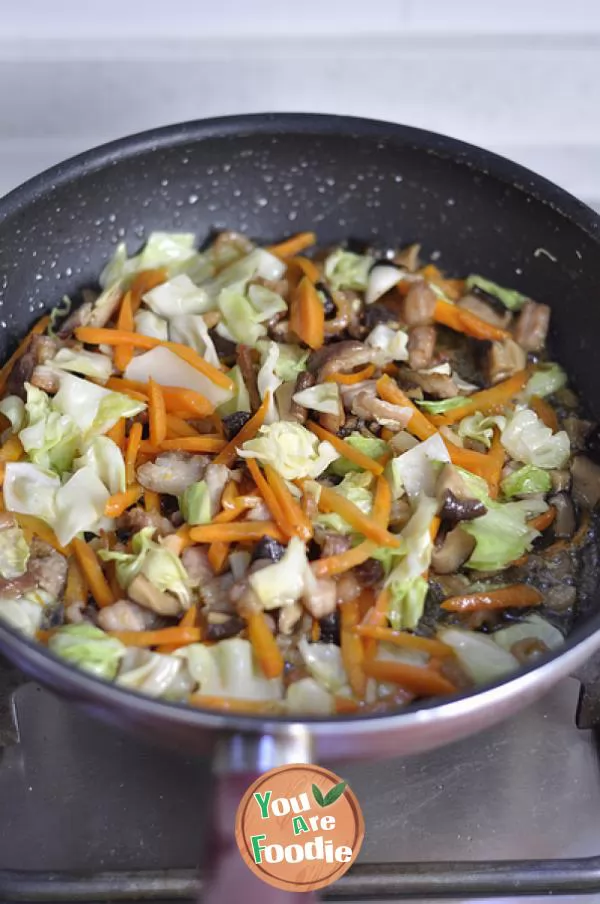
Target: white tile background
x: 522, y: 78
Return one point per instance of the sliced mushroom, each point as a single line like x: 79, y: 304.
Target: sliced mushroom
x: 436, y: 385
x: 419, y: 305
x: 221, y: 625
x: 453, y: 552
x: 561, y: 480
x: 304, y: 380
x: 421, y: 346
x: 233, y: 423
x: 409, y: 257
x: 578, y: 431
x: 79, y: 317
x: 268, y: 548
x: 47, y: 568
x: 125, y: 616
x: 505, y: 359
x: 532, y: 326
x: 455, y: 509
x: 371, y: 408
x: 172, y: 472
x: 339, y: 357
x: 586, y: 481
x: 246, y: 365
x: 350, y: 392
x: 142, y: 591
x: 496, y: 314
x: 564, y: 523
x: 333, y: 422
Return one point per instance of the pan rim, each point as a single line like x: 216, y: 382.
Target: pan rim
x: 492, y: 165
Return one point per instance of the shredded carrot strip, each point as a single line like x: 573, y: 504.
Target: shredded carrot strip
x: 297, y: 267
x: 11, y: 450
x: 243, y: 532
x: 353, y: 654
x: 382, y: 502
x: 496, y: 457
x: 345, y: 449
x: 463, y: 321
x: 234, y: 704
x: 151, y: 501
x: 515, y: 596
x: 488, y: 401
x: 350, y: 379
x: 188, y: 620
x: 315, y: 631
x: 344, y: 561
x: 264, y: 645
x: 124, y: 353
x: 293, y: 245
x: 453, y: 288
x: 157, y: 414
x: 177, y: 399
x: 405, y: 640
x: 75, y: 589
x: 176, y: 636
x: 330, y: 501
x: 93, y: 574
x: 241, y: 504
x: 296, y: 520
x: 178, y: 426
x: 545, y: 412
x: 199, y: 443
x: 248, y: 431
x: 119, y: 502
x: 143, y: 282
x: 218, y: 554
x: 131, y: 452
x: 345, y: 705
x: 182, y: 536
x: 268, y: 494
x: 102, y: 336
x: 5, y: 371
x: 419, y: 680
x: 418, y: 425
x: 485, y: 466
x: 117, y: 433
x: 229, y: 494
x: 543, y: 521
x: 307, y: 314
x: 32, y: 526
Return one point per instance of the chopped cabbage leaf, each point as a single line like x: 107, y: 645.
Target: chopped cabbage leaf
x: 371, y: 446
x: 30, y: 490
x: 88, y: 648
x: 346, y: 270
x: 257, y: 263
x: 526, y: 438
x: 308, y: 697
x: 157, y: 563
x: 416, y: 471
x: 149, y: 324
x: 356, y: 488
x: 240, y: 322
x: 14, y: 553
x: 291, y: 361
x: 25, y: 613
x: 480, y: 428
x: 178, y: 296
x: 527, y: 481
x: 105, y: 458
x: 324, y: 397
x: 533, y: 627
x: 442, y: 406
x: 90, y: 364
x: 195, y: 503
x: 93, y: 408
x: 172, y: 250
x: 390, y: 344
x: 49, y: 437
x: 324, y: 662
x: 174, y: 371
x: 13, y: 409
x: 547, y: 379
x: 229, y: 669
x: 293, y: 450
x: 155, y: 674
x: 382, y: 278
x: 481, y: 658
x: 79, y: 505
x: 190, y: 329
x: 286, y: 581
x: 266, y: 302
x: 267, y: 380
x: 240, y: 401
x: 406, y: 584
x: 510, y: 298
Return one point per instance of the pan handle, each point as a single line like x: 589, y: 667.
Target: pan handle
x: 239, y: 761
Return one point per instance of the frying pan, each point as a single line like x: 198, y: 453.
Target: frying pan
x: 269, y: 176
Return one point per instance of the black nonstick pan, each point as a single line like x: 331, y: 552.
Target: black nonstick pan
x: 269, y: 176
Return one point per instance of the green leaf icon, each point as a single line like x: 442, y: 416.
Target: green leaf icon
x: 334, y: 794
x: 318, y: 796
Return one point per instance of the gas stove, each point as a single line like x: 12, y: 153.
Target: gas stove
x: 88, y: 813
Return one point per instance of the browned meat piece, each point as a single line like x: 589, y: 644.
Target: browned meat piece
x: 578, y: 431
x: 439, y: 386
x: 105, y: 306
x: 45, y: 378
x: 409, y: 258
x: 195, y: 561
x: 47, y: 568
x: 44, y: 348
x: 564, y: 523
x: 304, y: 380
x: 371, y: 408
x: 419, y: 305
x: 246, y: 365
x: 504, y: 359
x: 172, y: 472
x: 340, y: 356
x: 79, y: 317
x: 370, y: 572
x: 483, y: 310
x: 334, y: 544
x: 348, y: 588
x: 322, y: 598
x: 21, y: 374
x: 125, y: 616
x: 453, y: 552
x: 421, y: 346
x: 142, y: 591
x: 135, y: 519
x: 532, y: 326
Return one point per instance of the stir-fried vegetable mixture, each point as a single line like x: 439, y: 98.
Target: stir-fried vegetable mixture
x: 260, y: 479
